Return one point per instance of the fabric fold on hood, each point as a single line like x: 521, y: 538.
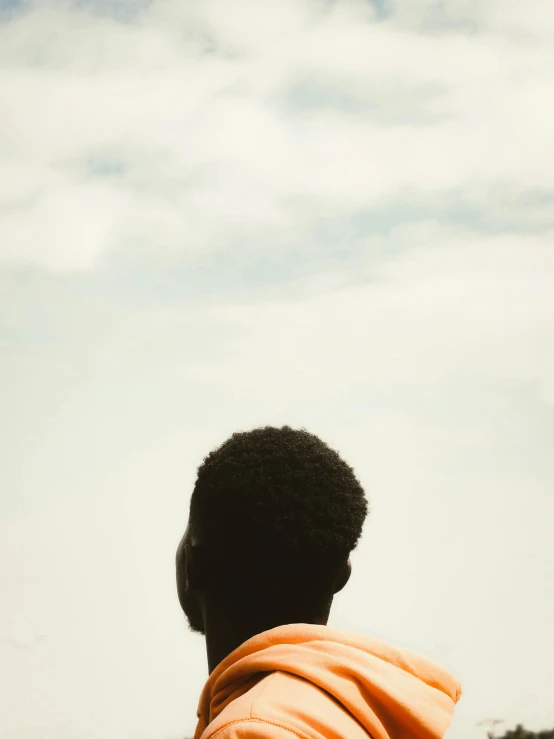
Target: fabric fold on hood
x: 392, y: 692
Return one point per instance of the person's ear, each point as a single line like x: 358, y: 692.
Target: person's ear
x: 195, y: 571
x: 344, y: 577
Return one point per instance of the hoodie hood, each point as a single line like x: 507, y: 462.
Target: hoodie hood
x: 391, y: 692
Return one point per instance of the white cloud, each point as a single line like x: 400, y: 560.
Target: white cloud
x: 64, y: 227
x: 210, y: 144
x: 523, y: 22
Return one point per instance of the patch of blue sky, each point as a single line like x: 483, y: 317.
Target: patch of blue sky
x: 123, y: 11
x: 383, y: 105
x: 503, y: 211
x: 382, y: 8
x: 11, y: 9
x: 100, y: 166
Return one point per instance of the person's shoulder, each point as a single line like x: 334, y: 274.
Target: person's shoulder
x: 284, y: 706
x: 263, y: 712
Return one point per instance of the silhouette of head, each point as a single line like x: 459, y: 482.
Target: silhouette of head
x: 274, y: 515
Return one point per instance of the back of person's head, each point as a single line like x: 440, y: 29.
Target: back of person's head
x: 277, y: 512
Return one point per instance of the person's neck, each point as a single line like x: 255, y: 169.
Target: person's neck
x: 225, y: 634
x: 222, y: 639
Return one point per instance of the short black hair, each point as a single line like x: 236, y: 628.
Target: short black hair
x: 278, y: 512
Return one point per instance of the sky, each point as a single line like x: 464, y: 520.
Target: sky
x: 216, y: 216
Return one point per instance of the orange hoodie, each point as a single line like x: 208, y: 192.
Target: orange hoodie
x: 313, y: 682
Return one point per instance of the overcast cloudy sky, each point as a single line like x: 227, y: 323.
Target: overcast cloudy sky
x: 216, y: 215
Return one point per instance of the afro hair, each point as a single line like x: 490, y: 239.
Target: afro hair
x: 279, y: 508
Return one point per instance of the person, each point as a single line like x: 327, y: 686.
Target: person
x: 274, y: 515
